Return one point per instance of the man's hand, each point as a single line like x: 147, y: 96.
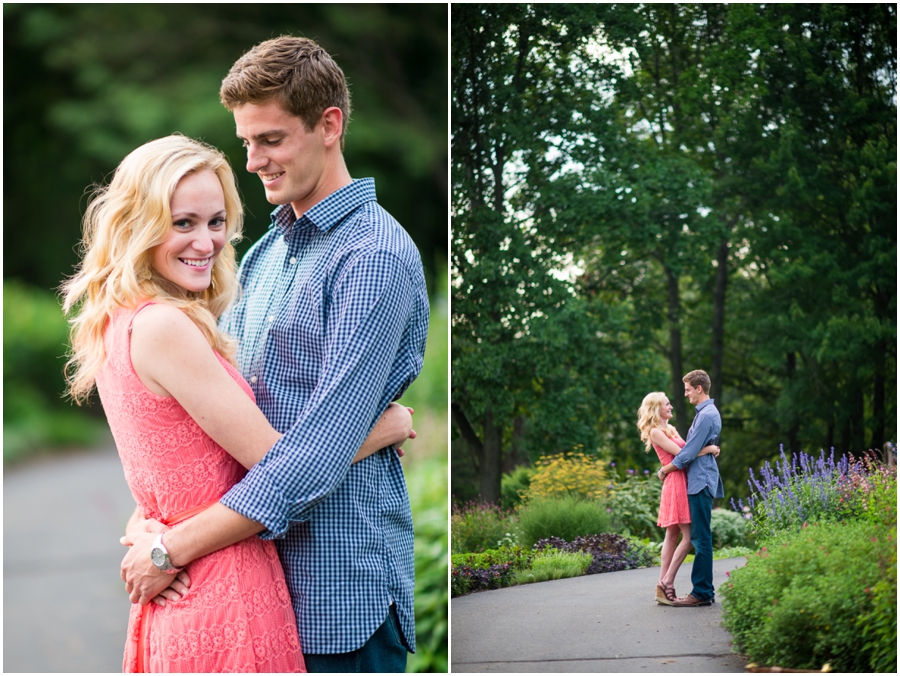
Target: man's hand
x: 142, y: 579
x: 174, y: 591
x: 142, y: 525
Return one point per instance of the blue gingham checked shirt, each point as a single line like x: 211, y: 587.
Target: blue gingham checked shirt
x: 702, y: 470
x: 331, y: 324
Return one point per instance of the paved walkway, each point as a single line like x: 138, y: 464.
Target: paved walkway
x: 64, y: 607
x: 605, y: 623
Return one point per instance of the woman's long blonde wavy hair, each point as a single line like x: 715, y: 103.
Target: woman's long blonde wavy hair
x: 648, y: 418
x: 122, y: 224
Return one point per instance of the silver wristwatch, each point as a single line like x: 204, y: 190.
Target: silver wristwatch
x: 159, y: 555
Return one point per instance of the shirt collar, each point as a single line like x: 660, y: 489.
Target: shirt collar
x: 706, y: 403
x: 330, y: 211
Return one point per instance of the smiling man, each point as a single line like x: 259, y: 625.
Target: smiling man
x: 703, y: 484
x: 331, y: 324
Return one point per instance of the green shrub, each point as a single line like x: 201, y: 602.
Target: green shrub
x: 477, y: 526
x: 36, y: 416
x: 730, y: 553
x: 565, y: 517
x: 429, y: 390
x: 873, y: 492
x: 513, y: 486
x: 635, y: 507
x: 808, y: 598
x: 879, y: 626
x: 609, y: 552
x: 427, y: 483
x: 516, y: 557
x: 553, y: 564
x: 729, y: 529
x: 491, y: 569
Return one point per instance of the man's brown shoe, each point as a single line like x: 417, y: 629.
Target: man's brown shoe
x: 690, y: 600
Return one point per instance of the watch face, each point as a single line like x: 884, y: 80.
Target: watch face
x: 158, y: 557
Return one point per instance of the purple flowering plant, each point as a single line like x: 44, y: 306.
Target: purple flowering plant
x: 805, y: 489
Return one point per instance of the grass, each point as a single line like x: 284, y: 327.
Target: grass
x: 555, y: 565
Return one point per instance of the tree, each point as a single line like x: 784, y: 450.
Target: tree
x: 103, y: 79
x: 522, y: 346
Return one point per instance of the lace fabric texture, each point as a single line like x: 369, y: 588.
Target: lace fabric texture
x: 237, y: 616
x: 673, y: 503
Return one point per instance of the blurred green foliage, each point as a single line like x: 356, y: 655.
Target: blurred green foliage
x: 635, y: 506
x: 729, y: 529
x: 640, y: 190
x: 479, y: 527
x: 103, y: 79
x: 808, y: 598
x: 427, y: 483
x: 566, y: 517
x: 35, y: 416
x: 429, y: 391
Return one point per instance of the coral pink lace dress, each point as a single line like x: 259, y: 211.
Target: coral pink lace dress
x: 673, y: 503
x: 237, y: 615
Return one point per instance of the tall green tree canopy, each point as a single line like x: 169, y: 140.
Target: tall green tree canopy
x: 719, y: 179
x: 84, y: 84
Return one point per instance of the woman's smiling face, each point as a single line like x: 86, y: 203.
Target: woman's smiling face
x: 197, y: 237
x: 665, y: 410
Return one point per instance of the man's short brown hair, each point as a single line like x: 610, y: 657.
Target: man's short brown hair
x: 296, y: 73
x: 698, y: 379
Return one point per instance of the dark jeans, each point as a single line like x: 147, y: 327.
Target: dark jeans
x: 701, y: 537
x: 384, y: 652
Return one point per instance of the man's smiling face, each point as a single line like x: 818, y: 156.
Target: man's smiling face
x: 289, y: 160
x: 694, y: 394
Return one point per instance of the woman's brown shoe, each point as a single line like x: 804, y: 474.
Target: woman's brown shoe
x: 661, y: 596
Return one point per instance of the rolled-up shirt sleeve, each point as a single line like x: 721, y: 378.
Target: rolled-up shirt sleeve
x: 364, y: 324
x: 696, y: 440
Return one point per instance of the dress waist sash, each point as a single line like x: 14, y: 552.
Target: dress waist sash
x: 144, y: 630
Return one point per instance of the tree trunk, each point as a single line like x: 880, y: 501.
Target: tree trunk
x: 794, y: 428
x: 674, y: 315
x: 486, y: 455
x: 858, y: 421
x: 877, y: 438
x: 492, y: 458
x: 517, y: 454
x: 853, y: 432
x: 718, y: 328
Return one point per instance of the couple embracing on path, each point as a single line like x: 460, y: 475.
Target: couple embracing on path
x: 256, y: 406
x: 686, y: 502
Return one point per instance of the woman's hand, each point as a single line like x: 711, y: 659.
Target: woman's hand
x: 398, y: 421
x: 712, y: 449
x: 392, y: 429
x: 412, y: 435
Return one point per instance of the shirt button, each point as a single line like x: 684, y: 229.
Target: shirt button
x: 293, y: 260
x: 253, y: 379
x: 271, y: 318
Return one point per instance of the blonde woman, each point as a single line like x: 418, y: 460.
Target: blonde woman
x: 674, y: 512
x: 158, y: 269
